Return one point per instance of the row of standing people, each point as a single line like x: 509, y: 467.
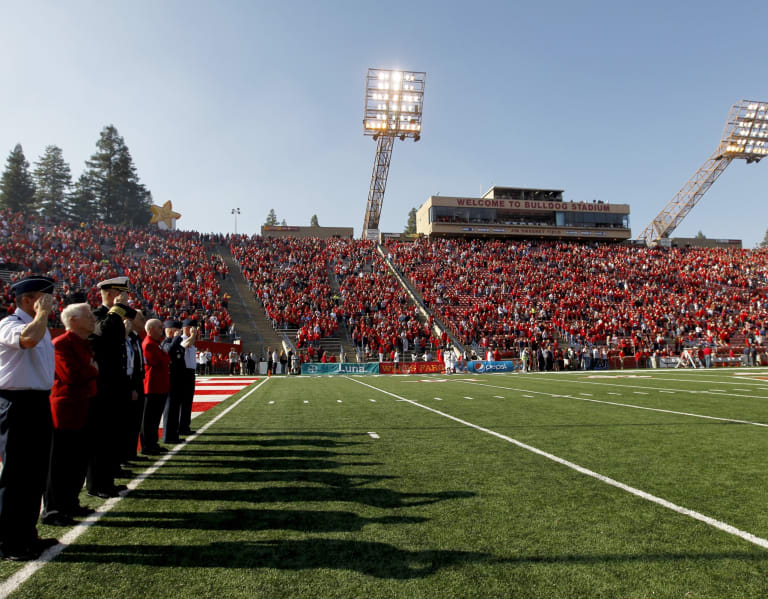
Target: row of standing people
x: 73, y: 409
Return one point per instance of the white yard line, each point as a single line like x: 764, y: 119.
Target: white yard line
x: 16, y: 580
x: 705, y: 392
x: 622, y: 405
x: 725, y: 527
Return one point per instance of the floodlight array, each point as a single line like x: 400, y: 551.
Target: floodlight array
x: 393, y: 103
x: 746, y: 133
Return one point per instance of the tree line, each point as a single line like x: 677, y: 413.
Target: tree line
x: 108, y: 190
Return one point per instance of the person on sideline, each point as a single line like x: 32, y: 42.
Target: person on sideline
x: 26, y: 377
x: 74, y: 388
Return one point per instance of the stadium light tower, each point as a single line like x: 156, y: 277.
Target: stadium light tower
x: 393, y: 105
x: 745, y: 136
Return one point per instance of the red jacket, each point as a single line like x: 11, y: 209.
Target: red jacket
x: 157, y: 367
x: 74, y: 381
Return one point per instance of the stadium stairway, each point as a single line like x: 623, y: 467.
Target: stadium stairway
x: 344, y: 338
x: 418, y: 300
x: 251, y: 323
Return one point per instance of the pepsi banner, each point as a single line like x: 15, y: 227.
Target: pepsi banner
x: 482, y: 366
x: 340, y: 368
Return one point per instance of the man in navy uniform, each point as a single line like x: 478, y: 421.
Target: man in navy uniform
x: 172, y: 345
x: 108, y: 342
x: 26, y: 377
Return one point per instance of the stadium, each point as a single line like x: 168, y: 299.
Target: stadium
x: 520, y: 395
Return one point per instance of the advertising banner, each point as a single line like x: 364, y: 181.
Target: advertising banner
x: 410, y: 367
x: 483, y: 366
x: 340, y: 368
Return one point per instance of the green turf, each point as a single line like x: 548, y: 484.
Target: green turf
x: 294, y: 499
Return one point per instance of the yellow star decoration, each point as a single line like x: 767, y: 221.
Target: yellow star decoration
x: 163, y: 214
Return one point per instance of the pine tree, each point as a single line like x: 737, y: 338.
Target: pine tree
x: 271, y: 218
x: 120, y: 197
x: 764, y: 243
x: 52, y: 182
x: 313, y: 222
x: 17, y: 189
x: 283, y: 224
x: 700, y: 235
x: 82, y: 201
x: 411, y: 226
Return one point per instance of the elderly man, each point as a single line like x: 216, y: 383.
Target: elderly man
x: 74, y: 388
x: 26, y: 378
x: 108, y: 342
x: 157, y: 383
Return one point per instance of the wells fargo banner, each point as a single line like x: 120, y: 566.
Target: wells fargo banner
x: 340, y: 368
x: 410, y: 367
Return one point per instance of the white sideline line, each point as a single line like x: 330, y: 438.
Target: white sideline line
x: 720, y: 525
x: 15, y: 581
x: 627, y: 405
x: 656, y: 389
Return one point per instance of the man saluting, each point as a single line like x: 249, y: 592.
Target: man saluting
x: 26, y: 377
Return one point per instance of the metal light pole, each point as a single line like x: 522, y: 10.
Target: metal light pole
x: 745, y: 137
x: 393, y: 106
x: 235, y: 211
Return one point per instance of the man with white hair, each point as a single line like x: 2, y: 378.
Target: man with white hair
x: 157, y: 384
x: 74, y: 388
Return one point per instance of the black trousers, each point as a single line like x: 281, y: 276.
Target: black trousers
x: 172, y: 411
x: 106, y: 429
x: 66, y: 472
x: 133, y: 417
x: 187, y: 398
x: 25, y: 440
x: 150, y: 422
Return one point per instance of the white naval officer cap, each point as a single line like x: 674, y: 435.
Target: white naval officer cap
x: 119, y: 283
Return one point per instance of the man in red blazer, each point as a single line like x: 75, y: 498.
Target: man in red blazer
x: 157, y: 384
x: 74, y: 387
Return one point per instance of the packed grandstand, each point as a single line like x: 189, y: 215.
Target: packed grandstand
x: 557, y: 301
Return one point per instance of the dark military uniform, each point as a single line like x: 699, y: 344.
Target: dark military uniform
x: 108, y: 342
x: 135, y: 408
x: 172, y: 412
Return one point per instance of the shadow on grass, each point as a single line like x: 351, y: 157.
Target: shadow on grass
x: 379, y: 560
x: 382, y: 498
x: 258, y: 454
x: 248, y: 519
x: 284, y: 442
x: 285, y: 464
x: 303, y: 432
x: 332, y: 479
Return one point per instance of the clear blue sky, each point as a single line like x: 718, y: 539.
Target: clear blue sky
x: 259, y: 105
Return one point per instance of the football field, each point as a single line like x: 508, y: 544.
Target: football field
x: 600, y: 484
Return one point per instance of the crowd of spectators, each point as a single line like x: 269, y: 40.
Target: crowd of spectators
x: 513, y: 294
x: 492, y: 294
x: 292, y: 279
x: 380, y: 318
x: 171, y: 271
